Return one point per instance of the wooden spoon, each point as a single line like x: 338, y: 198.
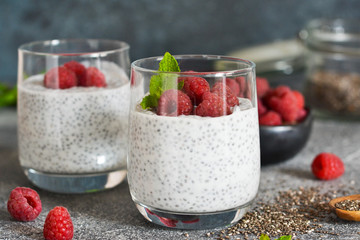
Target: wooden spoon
x: 344, y: 214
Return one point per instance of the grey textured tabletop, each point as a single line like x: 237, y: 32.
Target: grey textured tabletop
x: 112, y: 215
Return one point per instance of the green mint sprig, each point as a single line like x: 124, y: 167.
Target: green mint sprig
x: 7, y: 95
x: 266, y: 237
x: 162, y: 82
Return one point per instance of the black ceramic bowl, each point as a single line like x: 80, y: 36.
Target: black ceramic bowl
x: 279, y: 143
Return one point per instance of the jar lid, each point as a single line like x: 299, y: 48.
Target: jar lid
x: 332, y: 35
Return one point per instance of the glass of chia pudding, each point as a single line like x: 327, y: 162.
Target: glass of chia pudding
x: 73, y: 108
x: 194, y: 154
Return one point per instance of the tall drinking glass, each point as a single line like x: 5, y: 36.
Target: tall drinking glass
x: 73, y: 105
x: 194, y: 155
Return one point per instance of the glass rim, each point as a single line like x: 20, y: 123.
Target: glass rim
x: 123, y: 46
x: 251, y: 65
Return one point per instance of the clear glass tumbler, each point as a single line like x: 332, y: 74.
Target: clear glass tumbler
x: 194, y: 155
x: 73, y: 108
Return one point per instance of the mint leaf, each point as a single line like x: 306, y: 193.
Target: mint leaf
x: 180, y: 85
x: 7, y: 95
x: 169, y: 81
x: 169, y: 64
x: 149, y: 101
x: 162, y: 82
x: 287, y: 237
x: 155, y: 88
x: 264, y: 237
x: 3, y: 88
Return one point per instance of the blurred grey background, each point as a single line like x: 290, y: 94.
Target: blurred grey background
x: 152, y: 27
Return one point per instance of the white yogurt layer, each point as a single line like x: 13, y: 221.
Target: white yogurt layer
x: 194, y: 164
x: 75, y: 130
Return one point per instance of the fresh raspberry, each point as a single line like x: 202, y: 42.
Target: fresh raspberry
x: 191, y: 221
x: 174, y: 103
x: 233, y: 85
x: 261, y: 108
x: 262, y: 86
x: 302, y: 113
x: 195, y: 87
x: 133, y: 78
x: 222, y: 90
x: 270, y: 118
x: 212, y: 106
x: 166, y: 221
x: 94, y: 78
x: 24, y: 204
x: 58, y: 225
x: 243, y: 86
x: 78, y: 69
x: 327, y: 166
x: 60, y: 77
x: 300, y: 101
x: 283, y: 101
x: 277, y: 92
x: 191, y: 72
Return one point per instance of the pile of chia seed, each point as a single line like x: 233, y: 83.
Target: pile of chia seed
x: 335, y: 92
x: 293, y: 212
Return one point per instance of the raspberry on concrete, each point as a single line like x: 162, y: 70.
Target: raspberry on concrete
x: 212, y: 106
x: 58, y: 225
x: 327, y: 166
x: 270, y: 118
x: 195, y: 87
x: 24, y: 204
x: 174, y: 103
x: 222, y: 91
x: 60, y: 77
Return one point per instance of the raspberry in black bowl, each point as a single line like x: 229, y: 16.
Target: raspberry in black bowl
x: 285, y: 122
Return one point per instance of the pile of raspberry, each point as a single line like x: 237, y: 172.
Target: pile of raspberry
x: 24, y: 204
x: 73, y: 74
x: 198, y: 98
x: 279, y: 106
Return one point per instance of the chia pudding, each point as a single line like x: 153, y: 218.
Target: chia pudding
x: 75, y: 130
x: 194, y: 164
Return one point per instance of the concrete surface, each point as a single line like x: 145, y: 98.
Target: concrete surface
x: 112, y: 215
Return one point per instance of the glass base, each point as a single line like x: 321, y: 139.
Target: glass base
x: 193, y: 220
x: 75, y: 183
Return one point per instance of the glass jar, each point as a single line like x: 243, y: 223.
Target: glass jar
x: 333, y: 67
x: 73, y: 104
x: 194, y: 155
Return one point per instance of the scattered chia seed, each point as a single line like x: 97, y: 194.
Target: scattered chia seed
x: 292, y: 213
x: 349, y: 205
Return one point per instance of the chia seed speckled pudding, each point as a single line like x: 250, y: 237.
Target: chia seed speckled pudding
x: 193, y: 164
x: 77, y: 130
